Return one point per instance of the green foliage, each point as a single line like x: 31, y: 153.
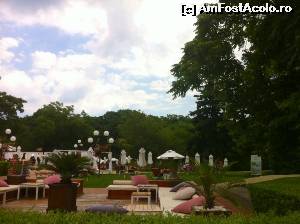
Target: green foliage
x: 17, y: 217
x: 229, y: 176
x: 4, y: 165
x: 280, y: 196
x: 249, y: 104
x: 207, y: 178
x: 67, y: 165
x: 103, y: 180
x: 10, y: 106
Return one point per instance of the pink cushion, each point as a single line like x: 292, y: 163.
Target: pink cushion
x: 139, y: 179
x: 3, y: 183
x: 54, y: 179
x: 195, y: 196
x: 186, y: 207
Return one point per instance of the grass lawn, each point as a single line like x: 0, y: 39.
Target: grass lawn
x: 18, y: 217
x: 288, y: 186
x: 103, y: 180
x: 279, y: 196
x: 229, y: 176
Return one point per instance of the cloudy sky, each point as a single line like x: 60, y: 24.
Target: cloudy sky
x: 97, y: 55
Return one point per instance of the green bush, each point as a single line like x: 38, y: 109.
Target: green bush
x: 4, y: 165
x: 18, y: 217
x: 279, y: 196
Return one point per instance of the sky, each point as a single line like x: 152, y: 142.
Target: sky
x: 98, y: 55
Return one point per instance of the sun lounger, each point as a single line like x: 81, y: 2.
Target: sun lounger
x: 120, y: 191
x: 4, y: 190
x: 122, y: 182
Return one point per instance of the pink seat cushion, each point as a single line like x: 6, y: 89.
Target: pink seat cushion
x: 3, y: 183
x: 186, y: 207
x: 54, y: 179
x: 139, y: 179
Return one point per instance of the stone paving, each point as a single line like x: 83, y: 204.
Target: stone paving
x: 253, y: 180
x: 96, y: 196
x: 91, y: 196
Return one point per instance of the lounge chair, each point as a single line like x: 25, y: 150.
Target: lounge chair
x: 4, y: 190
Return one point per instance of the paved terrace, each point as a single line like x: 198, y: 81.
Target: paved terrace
x: 91, y: 196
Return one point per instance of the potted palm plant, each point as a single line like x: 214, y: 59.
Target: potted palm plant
x: 206, y: 186
x: 62, y: 196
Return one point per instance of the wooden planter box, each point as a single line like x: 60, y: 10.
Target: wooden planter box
x: 80, y: 188
x: 15, y: 179
x: 62, y: 197
x: 216, y: 211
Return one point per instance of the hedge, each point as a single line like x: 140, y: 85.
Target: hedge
x: 17, y: 217
x: 278, y: 196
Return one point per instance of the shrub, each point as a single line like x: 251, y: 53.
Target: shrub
x: 4, y: 165
x: 18, y: 217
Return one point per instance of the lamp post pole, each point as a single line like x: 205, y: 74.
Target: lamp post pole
x: 97, y: 146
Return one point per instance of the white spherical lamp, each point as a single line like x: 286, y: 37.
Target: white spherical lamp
x: 13, y: 138
x: 90, y: 140
x: 106, y: 133
x: 79, y: 141
x: 111, y: 140
x: 75, y: 146
x: 96, y: 133
x: 8, y: 131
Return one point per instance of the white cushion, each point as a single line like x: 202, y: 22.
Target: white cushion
x: 122, y: 182
x: 121, y: 187
x: 185, y: 193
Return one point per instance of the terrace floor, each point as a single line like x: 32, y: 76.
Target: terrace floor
x: 91, y: 196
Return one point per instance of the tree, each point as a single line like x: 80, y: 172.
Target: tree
x: 253, y: 99
x: 10, y: 106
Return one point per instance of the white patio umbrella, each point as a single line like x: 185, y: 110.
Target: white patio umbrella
x: 142, y: 159
x: 197, y: 158
x: 150, y: 161
x: 95, y: 166
x: 187, y: 159
x: 128, y: 159
x: 115, y: 160
x: 170, y: 154
x: 123, y: 157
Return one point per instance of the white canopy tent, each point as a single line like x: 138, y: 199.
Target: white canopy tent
x: 170, y: 154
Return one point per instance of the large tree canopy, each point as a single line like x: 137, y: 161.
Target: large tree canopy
x: 246, y: 70
x: 10, y: 106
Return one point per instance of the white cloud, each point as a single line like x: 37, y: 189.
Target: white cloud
x: 6, y: 43
x: 160, y: 85
x: 43, y: 60
x: 128, y: 42
x: 74, y: 17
